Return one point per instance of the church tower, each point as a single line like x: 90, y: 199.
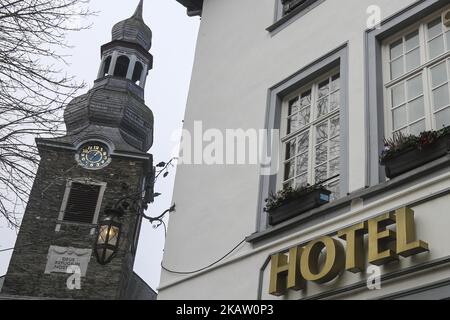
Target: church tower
x: 80, y: 231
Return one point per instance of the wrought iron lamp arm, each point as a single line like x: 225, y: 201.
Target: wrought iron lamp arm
x: 158, y: 218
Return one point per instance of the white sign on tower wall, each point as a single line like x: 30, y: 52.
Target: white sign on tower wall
x: 61, y: 258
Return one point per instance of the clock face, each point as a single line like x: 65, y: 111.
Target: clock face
x: 93, y: 156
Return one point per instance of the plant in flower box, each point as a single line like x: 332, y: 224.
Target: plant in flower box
x: 403, y: 153
x: 291, y: 202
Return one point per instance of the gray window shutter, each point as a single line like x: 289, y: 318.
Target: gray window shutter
x: 82, y: 203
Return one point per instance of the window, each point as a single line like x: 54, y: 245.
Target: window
x: 391, y: 64
x: 81, y: 202
x: 417, y: 78
x: 137, y: 72
x: 106, y: 66
x: 306, y: 106
x: 287, y: 9
x: 289, y: 5
x: 311, y: 129
x: 121, y: 68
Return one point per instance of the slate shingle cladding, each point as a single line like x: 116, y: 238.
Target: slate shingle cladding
x: 134, y: 30
x: 114, y: 103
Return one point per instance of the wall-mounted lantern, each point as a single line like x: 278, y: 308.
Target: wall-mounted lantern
x: 108, y: 236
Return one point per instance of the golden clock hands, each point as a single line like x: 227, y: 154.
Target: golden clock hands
x: 94, y: 155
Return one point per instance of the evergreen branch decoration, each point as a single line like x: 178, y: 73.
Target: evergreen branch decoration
x: 401, y: 142
x: 282, y: 197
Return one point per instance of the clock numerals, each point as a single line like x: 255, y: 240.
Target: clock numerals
x: 93, y: 156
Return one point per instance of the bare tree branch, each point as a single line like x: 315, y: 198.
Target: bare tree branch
x: 33, y: 88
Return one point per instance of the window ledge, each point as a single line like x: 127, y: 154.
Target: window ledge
x: 88, y: 226
x: 345, y: 202
x: 297, y: 12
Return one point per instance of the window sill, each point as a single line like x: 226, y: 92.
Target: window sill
x: 297, y: 13
x: 90, y: 226
x: 344, y: 204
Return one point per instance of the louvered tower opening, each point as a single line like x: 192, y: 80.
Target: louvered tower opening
x: 82, y: 203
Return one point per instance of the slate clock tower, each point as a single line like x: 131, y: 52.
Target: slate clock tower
x: 102, y: 159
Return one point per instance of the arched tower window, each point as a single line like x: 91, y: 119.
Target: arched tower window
x: 121, y: 66
x: 137, y: 72
x: 106, y: 66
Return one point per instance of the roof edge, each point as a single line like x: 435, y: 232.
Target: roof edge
x: 194, y: 7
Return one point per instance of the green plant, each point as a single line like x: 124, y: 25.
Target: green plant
x: 401, y: 142
x: 276, y: 200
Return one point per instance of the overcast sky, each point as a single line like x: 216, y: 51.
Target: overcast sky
x: 174, y: 38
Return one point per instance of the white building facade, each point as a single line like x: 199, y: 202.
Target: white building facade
x: 327, y: 81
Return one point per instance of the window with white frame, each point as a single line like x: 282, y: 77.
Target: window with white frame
x: 417, y: 78
x: 311, y: 134
x: 81, y: 202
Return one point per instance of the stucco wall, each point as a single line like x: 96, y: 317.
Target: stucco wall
x: 236, y: 62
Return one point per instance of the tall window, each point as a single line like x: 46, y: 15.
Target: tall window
x: 311, y: 128
x: 106, y: 66
x: 121, y: 68
x: 417, y: 78
x: 137, y: 72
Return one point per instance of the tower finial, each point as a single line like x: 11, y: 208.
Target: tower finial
x: 139, y: 9
x: 133, y: 29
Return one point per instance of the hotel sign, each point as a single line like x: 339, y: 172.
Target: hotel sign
x: 291, y: 271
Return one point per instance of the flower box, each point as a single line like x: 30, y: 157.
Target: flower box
x: 412, y: 158
x: 309, y: 200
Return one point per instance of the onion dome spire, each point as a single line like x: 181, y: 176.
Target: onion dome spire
x: 134, y: 29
